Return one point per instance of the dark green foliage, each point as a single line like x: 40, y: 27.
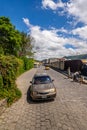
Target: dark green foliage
x: 12, y: 41
x: 1, y: 50
x: 1, y: 82
x: 10, y: 38
x: 14, y: 46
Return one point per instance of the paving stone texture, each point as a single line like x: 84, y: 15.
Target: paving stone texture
x: 67, y: 112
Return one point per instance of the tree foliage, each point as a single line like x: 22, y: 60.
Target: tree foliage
x: 10, y: 38
x: 26, y: 47
x: 12, y: 41
x: 14, y: 47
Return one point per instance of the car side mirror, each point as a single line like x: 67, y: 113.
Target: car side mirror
x: 31, y: 82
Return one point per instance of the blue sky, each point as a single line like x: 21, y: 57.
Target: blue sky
x: 59, y: 27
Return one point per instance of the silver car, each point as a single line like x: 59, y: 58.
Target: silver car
x: 42, y: 87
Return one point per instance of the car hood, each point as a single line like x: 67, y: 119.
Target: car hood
x: 41, y: 87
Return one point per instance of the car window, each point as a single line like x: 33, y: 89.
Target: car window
x: 42, y: 79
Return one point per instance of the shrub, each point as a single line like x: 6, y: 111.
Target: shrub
x: 28, y: 63
x: 20, y: 67
x: 31, y: 63
x: 1, y: 50
x: 12, y: 95
x: 10, y: 68
x: 1, y: 82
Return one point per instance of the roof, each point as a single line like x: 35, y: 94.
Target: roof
x: 40, y: 74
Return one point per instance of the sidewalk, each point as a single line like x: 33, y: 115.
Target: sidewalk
x: 66, y: 74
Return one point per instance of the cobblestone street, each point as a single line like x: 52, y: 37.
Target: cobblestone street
x: 67, y: 112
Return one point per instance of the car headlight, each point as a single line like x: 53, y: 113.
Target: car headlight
x: 53, y: 90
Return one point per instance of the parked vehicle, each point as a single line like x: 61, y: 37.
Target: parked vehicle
x: 42, y: 87
x: 84, y: 70
x: 75, y: 65
x: 47, y: 67
x: 36, y: 64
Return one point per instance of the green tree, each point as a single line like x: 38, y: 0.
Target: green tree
x: 10, y: 38
x: 26, y: 47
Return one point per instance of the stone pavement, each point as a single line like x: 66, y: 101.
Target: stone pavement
x: 67, y: 112
x: 11, y: 115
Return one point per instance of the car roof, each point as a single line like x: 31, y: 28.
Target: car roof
x: 40, y: 74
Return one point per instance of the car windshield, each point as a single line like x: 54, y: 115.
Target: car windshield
x: 42, y: 80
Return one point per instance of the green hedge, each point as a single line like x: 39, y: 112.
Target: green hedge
x: 10, y: 68
x: 28, y: 63
x: 12, y: 94
x: 1, y: 82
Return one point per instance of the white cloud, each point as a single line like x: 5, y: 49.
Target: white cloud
x: 75, y: 8
x: 48, y: 44
x: 82, y: 32
x: 51, y: 4
x: 54, y: 30
x: 78, y: 8
x: 27, y: 22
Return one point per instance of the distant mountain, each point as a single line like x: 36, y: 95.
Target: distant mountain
x: 75, y: 57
